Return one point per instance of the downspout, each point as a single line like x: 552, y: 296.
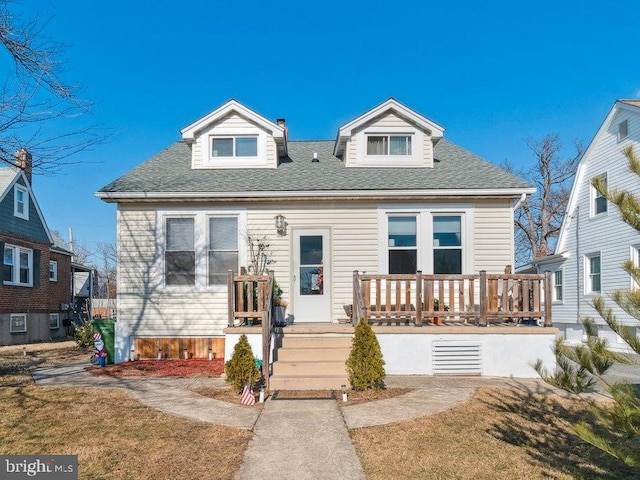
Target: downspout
x: 520, y: 202
x: 578, y: 293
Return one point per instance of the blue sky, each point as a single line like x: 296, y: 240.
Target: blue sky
x: 493, y: 73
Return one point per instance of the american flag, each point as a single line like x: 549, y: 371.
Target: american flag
x: 247, y: 396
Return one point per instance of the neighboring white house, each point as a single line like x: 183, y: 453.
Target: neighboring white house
x: 594, y: 240
x: 388, y: 195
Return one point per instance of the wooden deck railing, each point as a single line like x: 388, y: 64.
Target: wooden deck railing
x: 479, y: 299
x: 250, y: 300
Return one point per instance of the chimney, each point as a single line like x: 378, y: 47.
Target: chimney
x: 23, y: 160
x: 283, y: 123
x: 315, y: 158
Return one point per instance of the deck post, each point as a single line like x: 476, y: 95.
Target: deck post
x: 266, y: 345
x: 482, y: 321
x: 354, y: 306
x: 230, y: 297
x: 547, y: 299
x: 418, y: 298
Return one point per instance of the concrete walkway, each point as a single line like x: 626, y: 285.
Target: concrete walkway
x: 301, y: 439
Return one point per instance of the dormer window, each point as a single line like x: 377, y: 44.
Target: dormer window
x: 237, y: 146
x: 388, y: 145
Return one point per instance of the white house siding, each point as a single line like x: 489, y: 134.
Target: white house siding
x: 153, y: 310
x: 354, y: 233
x: 355, y: 148
x: 143, y: 302
x: 230, y: 123
x: 606, y: 233
x: 493, y: 236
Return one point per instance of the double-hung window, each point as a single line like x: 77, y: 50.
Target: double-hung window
x: 402, y: 244
x: 599, y: 202
x: 180, y: 253
x: 53, y: 271
x: 21, y: 202
x: 447, y: 244
x: 388, y: 145
x: 17, y: 266
x: 223, y: 248
x: 594, y: 274
x: 623, y: 130
x: 234, y: 146
x: 557, y: 285
x: 54, y: 321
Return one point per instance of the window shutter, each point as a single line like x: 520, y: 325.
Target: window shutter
x: 36, y: 268
x: 1, y: 262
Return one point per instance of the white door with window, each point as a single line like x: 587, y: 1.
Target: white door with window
x: 311, y: 275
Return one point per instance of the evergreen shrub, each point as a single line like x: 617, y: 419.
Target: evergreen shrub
x: 241, y: 368
x: 365, y: 364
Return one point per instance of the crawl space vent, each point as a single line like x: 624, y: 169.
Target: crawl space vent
x: 457, y: 358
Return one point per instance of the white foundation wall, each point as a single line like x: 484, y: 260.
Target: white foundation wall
x: 501, y: 355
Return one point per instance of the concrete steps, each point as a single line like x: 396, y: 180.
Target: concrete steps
x: 311, y: 362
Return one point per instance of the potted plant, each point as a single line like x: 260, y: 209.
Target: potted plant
x: 436, y: 307
x: 279, y: 305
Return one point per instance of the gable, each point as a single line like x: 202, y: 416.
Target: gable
x: 234, y: 136
x: 389, y: 135
x: 603, y: 156
x: 33, y: 225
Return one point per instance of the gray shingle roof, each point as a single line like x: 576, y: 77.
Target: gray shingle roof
x: 455, y: 168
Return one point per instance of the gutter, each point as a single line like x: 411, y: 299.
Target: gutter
x: 520, y: 202
x: 115, y: 196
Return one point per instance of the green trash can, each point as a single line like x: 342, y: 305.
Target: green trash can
x: 107, y: 328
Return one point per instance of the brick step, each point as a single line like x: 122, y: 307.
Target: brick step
x: 311, y: 342
x: 309, y: 368
x: 314, y: 382
x: 333, y: 354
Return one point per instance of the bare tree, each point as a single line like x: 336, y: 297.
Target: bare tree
x: 539, y: 219
x: 34, y: 95
x: 106, y: 272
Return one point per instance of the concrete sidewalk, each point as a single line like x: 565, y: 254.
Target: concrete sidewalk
x: 301, y: 439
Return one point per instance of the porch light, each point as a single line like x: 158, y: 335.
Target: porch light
x: 281, y: 225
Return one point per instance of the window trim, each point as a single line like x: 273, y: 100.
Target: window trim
x: 425, y: 231
x: 415, y: 247
x: 13, y: 316
x: 258, y: 161
x: 387, y: 143
x: 555, y: 298
x: 53, y: 272
x: 634, y: 256
x: 416, y: 158
x: 201, y: 225
x: 209, y: 250
x: 462, y: 238
x: 623, y: 132
x: 17, y: 188
x: 16, y: 265
x: 588, y: 281
x: 57, y: 319
x: 166, y: 250
x: 234, y: 138
x: 594, y: 195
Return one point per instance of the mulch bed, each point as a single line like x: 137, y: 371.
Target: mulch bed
x: 162, y: 368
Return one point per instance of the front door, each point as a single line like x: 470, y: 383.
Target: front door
x: 311, y: 275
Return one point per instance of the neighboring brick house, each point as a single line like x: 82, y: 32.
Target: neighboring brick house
x: 36, y: 281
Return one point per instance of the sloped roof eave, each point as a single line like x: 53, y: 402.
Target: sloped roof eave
x: 271, y: 194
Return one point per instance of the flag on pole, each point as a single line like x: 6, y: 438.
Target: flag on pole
x: 247, y: 396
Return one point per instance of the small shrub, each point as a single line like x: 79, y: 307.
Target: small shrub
x: 241, y: 368
x: 83, y: 335
x: 365, y: 363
